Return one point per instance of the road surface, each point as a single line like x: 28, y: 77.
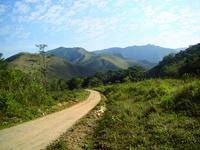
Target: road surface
x: 37, y: 134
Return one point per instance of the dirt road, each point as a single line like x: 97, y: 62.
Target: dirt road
x: 39, y: 133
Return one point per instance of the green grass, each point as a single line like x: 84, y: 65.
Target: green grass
x: 152, y: 114
x: 17, y: 108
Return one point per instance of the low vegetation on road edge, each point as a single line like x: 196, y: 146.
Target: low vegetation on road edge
x: 14, y: 112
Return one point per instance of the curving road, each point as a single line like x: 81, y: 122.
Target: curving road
x: 39, y: 133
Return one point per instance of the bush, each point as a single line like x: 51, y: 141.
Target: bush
x: 166, y: 102
x: 58, y: 145
x: 187, y: 100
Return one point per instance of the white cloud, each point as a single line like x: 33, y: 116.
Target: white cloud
x: 14, y: 32
x: 20, y: 33
x: 5, y: 30
x: 2, y: 9
x: 150, y: 11
x: 85, y: 17
x: 173, y: 38
x: 53, y: 14
x: 39, y: 9
x: 91, y: 26
x: 31, y: 1
x: 98, y: 3
x: 120, y: 2
x: 165, y: 18
x: 22, y: 7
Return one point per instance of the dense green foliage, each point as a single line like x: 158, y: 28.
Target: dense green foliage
x: 136, y: 73
x: 119, y: 76
x: 151, y: 114
x: 183, y: 63
x: 23, y: 97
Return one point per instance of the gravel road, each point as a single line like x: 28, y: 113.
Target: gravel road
x: 37, y: 134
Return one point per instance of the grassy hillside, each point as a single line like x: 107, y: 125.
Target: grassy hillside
x: 31, y: 64
x: 73, y: 55
x: 108, y: 62
x: 185, y: 62
x: 152, y: 114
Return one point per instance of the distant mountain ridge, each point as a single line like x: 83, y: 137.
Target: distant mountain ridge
x: 149, y: 52
x: 146, y: 56
x: 69, y: 62
x: 90, y: 60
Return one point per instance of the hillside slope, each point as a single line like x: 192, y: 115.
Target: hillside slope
x: 187, y: 61
x: 31, y: 63
x: 108, y: 62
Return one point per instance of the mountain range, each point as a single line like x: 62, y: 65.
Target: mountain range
x: 149, y: 52
x: 68, y: 62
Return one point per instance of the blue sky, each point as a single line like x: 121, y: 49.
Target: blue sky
x: 97, y: 24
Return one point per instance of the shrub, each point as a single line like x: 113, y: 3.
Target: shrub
x: 187, y: 100
x: 58, y: 145
x: 166, y: 101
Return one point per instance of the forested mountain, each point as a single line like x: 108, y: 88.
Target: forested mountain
x: 148, y: 52
x: 176, y: 65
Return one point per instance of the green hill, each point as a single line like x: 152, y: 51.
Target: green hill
x: 107, y: 62
x: 176, y: 65
x: 31, y: 63
x: 73, y: 55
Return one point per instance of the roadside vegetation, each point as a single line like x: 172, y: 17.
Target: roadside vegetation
x: 24, y: 97
x: 152, y: 114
